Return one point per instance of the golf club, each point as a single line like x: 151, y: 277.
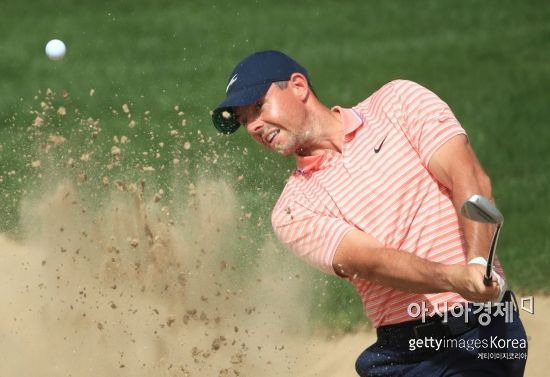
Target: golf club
x: 480, y: 209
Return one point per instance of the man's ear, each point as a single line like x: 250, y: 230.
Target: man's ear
x: 299, y: 85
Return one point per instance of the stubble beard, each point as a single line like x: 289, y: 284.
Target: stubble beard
x: 286, y: 148
x: 296, y: 143
x: 299, y: 142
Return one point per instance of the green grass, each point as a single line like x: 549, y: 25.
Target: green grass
x: 488, y: 60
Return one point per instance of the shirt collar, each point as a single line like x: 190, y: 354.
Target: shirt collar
x: 351, y: 121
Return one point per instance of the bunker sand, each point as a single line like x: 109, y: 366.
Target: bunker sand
x: 130, y: 289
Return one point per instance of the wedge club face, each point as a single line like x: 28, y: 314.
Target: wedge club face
x: 480, y: 209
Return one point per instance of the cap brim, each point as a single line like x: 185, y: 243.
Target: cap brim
x: 223, y: 116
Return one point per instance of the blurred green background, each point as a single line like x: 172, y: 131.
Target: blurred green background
x: 169, y: 61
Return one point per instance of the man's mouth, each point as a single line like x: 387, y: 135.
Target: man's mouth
x: 271, y: 136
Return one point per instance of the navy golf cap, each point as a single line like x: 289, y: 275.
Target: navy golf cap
x: 249, y: 81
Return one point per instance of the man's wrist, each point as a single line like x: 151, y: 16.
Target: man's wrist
x: 451, y: 277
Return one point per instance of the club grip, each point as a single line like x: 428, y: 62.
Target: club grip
x: 487, y: 280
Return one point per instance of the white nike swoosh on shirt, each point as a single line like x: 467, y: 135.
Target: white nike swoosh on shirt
x: 231, y: 82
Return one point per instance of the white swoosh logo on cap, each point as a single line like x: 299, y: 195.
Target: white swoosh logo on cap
x: 231, y: 82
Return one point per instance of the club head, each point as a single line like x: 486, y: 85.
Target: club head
x: 481, y: 209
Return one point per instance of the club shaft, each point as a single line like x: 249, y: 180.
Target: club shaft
x: 489, y: 271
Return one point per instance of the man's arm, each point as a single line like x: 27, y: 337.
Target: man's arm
x: 361, y: 255
x: 456, y: 167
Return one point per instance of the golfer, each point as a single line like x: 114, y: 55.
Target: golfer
x: 375, y: 199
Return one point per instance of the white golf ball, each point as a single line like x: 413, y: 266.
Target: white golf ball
x: 55, y: 49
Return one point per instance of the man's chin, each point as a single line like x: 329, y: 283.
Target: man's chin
x: 280, y: 148
x: 283, y: 151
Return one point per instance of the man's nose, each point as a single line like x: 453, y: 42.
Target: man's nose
x: 255, y: 126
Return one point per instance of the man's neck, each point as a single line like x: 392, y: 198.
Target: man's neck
x: 325, y: 131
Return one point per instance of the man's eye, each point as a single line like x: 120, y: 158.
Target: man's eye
x: 259, y: 105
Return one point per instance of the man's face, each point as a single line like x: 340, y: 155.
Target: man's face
x: 276, y: 120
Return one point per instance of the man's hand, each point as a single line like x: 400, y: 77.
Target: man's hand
x: 468, y: 282
x: 495, y: 276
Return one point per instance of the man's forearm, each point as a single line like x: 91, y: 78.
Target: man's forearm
x: 407, y: 272
x: 361, y: 256
x: 476, y: 235
x: 456, y: 167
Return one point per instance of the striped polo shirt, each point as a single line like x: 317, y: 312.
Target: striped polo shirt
x: 379, y: 184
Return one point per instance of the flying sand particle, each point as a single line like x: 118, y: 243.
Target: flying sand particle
x: 38, y: 121
x: 56, y: 139
x: 119, y: 185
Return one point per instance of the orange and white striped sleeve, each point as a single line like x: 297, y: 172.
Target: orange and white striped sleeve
x: 427, y: 121
x: 312, y: 234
